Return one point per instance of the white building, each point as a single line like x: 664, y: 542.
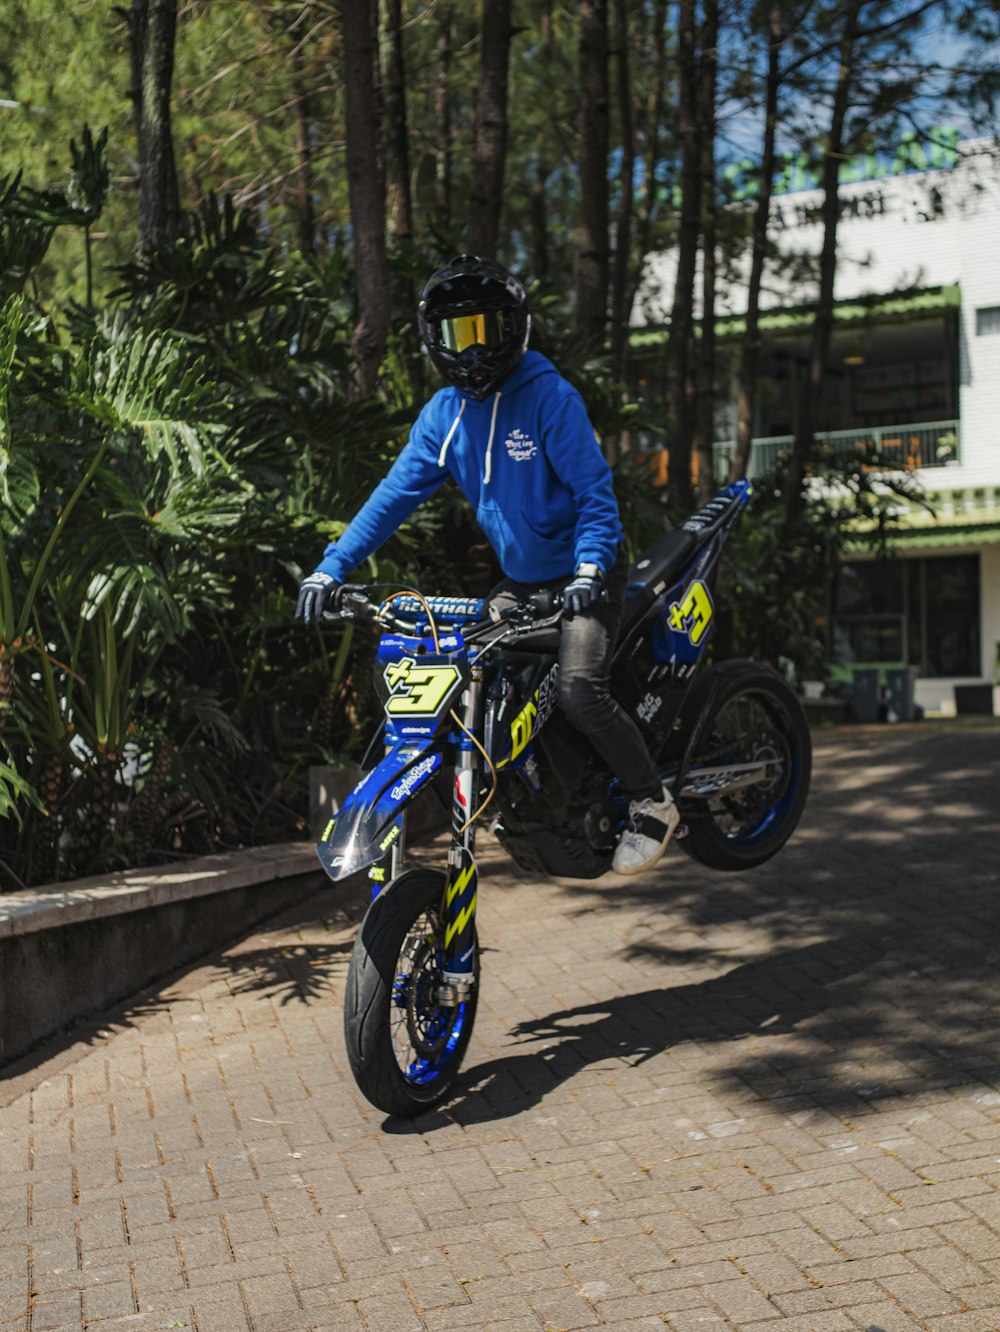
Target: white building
x: 914, y: 371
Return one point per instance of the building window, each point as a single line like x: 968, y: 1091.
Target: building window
x: 920, y: 612
x: 987, y: 320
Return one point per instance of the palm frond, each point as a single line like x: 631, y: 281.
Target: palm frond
x: 11, y: 320
x: 147, y: 382
x: 189, y: 514
x: 90, y: 180
x: 23, y: 243
x: 14, y: 788
x: 139, y: 593
x: 217, y: 271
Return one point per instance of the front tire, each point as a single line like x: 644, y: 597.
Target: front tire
x: 404, y: 1046
x: 754, y: 717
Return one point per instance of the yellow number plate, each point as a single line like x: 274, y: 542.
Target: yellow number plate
x: 418, y: 691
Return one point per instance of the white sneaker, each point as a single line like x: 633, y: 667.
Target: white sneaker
x: 647, y: 834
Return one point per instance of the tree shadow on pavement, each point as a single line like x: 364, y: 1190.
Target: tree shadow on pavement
x: 300, y: 955
x: 290, y: 973
x: 806, y: 1027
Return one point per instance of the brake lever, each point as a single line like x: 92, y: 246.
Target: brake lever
x: 521, y: 630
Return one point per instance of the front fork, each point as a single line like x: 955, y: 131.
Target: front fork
x: 459, y: 905
x: 459, y: 911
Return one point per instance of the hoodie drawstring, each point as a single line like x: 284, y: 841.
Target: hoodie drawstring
x: 448, y: 438
x: 489, y: 445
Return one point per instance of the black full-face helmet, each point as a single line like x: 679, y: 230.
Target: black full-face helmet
x: 473, y: 318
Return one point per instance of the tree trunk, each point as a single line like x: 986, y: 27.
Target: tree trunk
x: 746, y: 383
x: 43, y: 847
x: 539, y: 207
x: 823, y: 324
x: 143, y: 814
x: 152, y: 26
x: 490, y: 146
x: 539, y: 226
x: 442, y: 116
x: 652, y: 119
x: 704, y: 412
x: 306, y: 215
x: 592, y: 260
x: 624, y: 222
x: 88, y: 846
x: 397, y: 154
x: 678, y: 406
x: 366, y: 190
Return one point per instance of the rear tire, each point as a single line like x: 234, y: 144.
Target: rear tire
x: 404, y: 1048
x: 754, y: 716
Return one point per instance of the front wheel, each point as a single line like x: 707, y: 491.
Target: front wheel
x: 753, y: 721
x: 404, y: 1044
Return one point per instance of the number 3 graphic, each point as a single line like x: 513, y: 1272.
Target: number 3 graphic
x: 418, y: 691
x: 693, y: 614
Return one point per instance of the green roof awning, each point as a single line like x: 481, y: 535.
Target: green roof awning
x: 897, y: 307
x: 930, y: 536
x: 986, y: 535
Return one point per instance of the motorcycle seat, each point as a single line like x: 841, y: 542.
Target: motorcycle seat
x: 655, y: 569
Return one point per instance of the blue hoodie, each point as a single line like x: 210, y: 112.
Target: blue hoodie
x: 526, y: 459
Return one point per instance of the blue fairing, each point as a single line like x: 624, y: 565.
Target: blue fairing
x: 370, y: 819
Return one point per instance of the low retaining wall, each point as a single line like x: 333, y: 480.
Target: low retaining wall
x: 71, y: 950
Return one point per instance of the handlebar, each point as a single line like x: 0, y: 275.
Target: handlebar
x: 406, y: 610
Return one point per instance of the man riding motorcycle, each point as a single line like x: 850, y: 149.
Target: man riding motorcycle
x: 515, y: 436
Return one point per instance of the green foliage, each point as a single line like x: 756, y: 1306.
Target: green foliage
x: 11, y: 317
x: 776, y: 591
x: 171, y: 462
x: 90, y: 179
x: 198, y: 450
x: 15, y: 792
x: 24, y: 239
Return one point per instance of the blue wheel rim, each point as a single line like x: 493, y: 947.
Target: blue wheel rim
x: 425, y: 1034
x: 751, y: 831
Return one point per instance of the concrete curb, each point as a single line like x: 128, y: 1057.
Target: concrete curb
x: 58, y: 905
x: 70, y: 951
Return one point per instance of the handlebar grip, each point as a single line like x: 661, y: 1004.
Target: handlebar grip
x: 545, y: 602
x: 349, y: 602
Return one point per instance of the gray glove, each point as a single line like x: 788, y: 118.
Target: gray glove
x: 314, y: 592
x: 583, y: 592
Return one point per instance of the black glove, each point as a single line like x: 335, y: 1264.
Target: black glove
x: 583, y: 593
x: 314, y: 592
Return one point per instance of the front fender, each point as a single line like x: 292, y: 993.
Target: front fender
x: 370, y: 819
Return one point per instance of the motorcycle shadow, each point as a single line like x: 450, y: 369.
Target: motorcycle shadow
x: 838, y: 1025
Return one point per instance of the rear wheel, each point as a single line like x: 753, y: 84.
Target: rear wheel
x: 404, y: 1045
x: 754, y: 718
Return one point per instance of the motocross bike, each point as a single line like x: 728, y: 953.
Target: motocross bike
x: 477, y: 695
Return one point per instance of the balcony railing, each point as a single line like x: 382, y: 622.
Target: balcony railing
x: 882, y: 448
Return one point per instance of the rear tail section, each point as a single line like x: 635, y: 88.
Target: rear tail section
x: 670, y: 612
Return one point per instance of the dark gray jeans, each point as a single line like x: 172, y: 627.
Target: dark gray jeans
x: 585, y: 646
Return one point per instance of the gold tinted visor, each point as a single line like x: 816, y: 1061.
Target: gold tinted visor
x: 472, y: 330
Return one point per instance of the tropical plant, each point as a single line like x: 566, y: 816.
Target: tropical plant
x: 169, y: 463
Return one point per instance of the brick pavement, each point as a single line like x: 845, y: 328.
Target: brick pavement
x: 697, y: 1102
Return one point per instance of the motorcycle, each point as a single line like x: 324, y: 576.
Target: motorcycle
x: 476, y: 694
